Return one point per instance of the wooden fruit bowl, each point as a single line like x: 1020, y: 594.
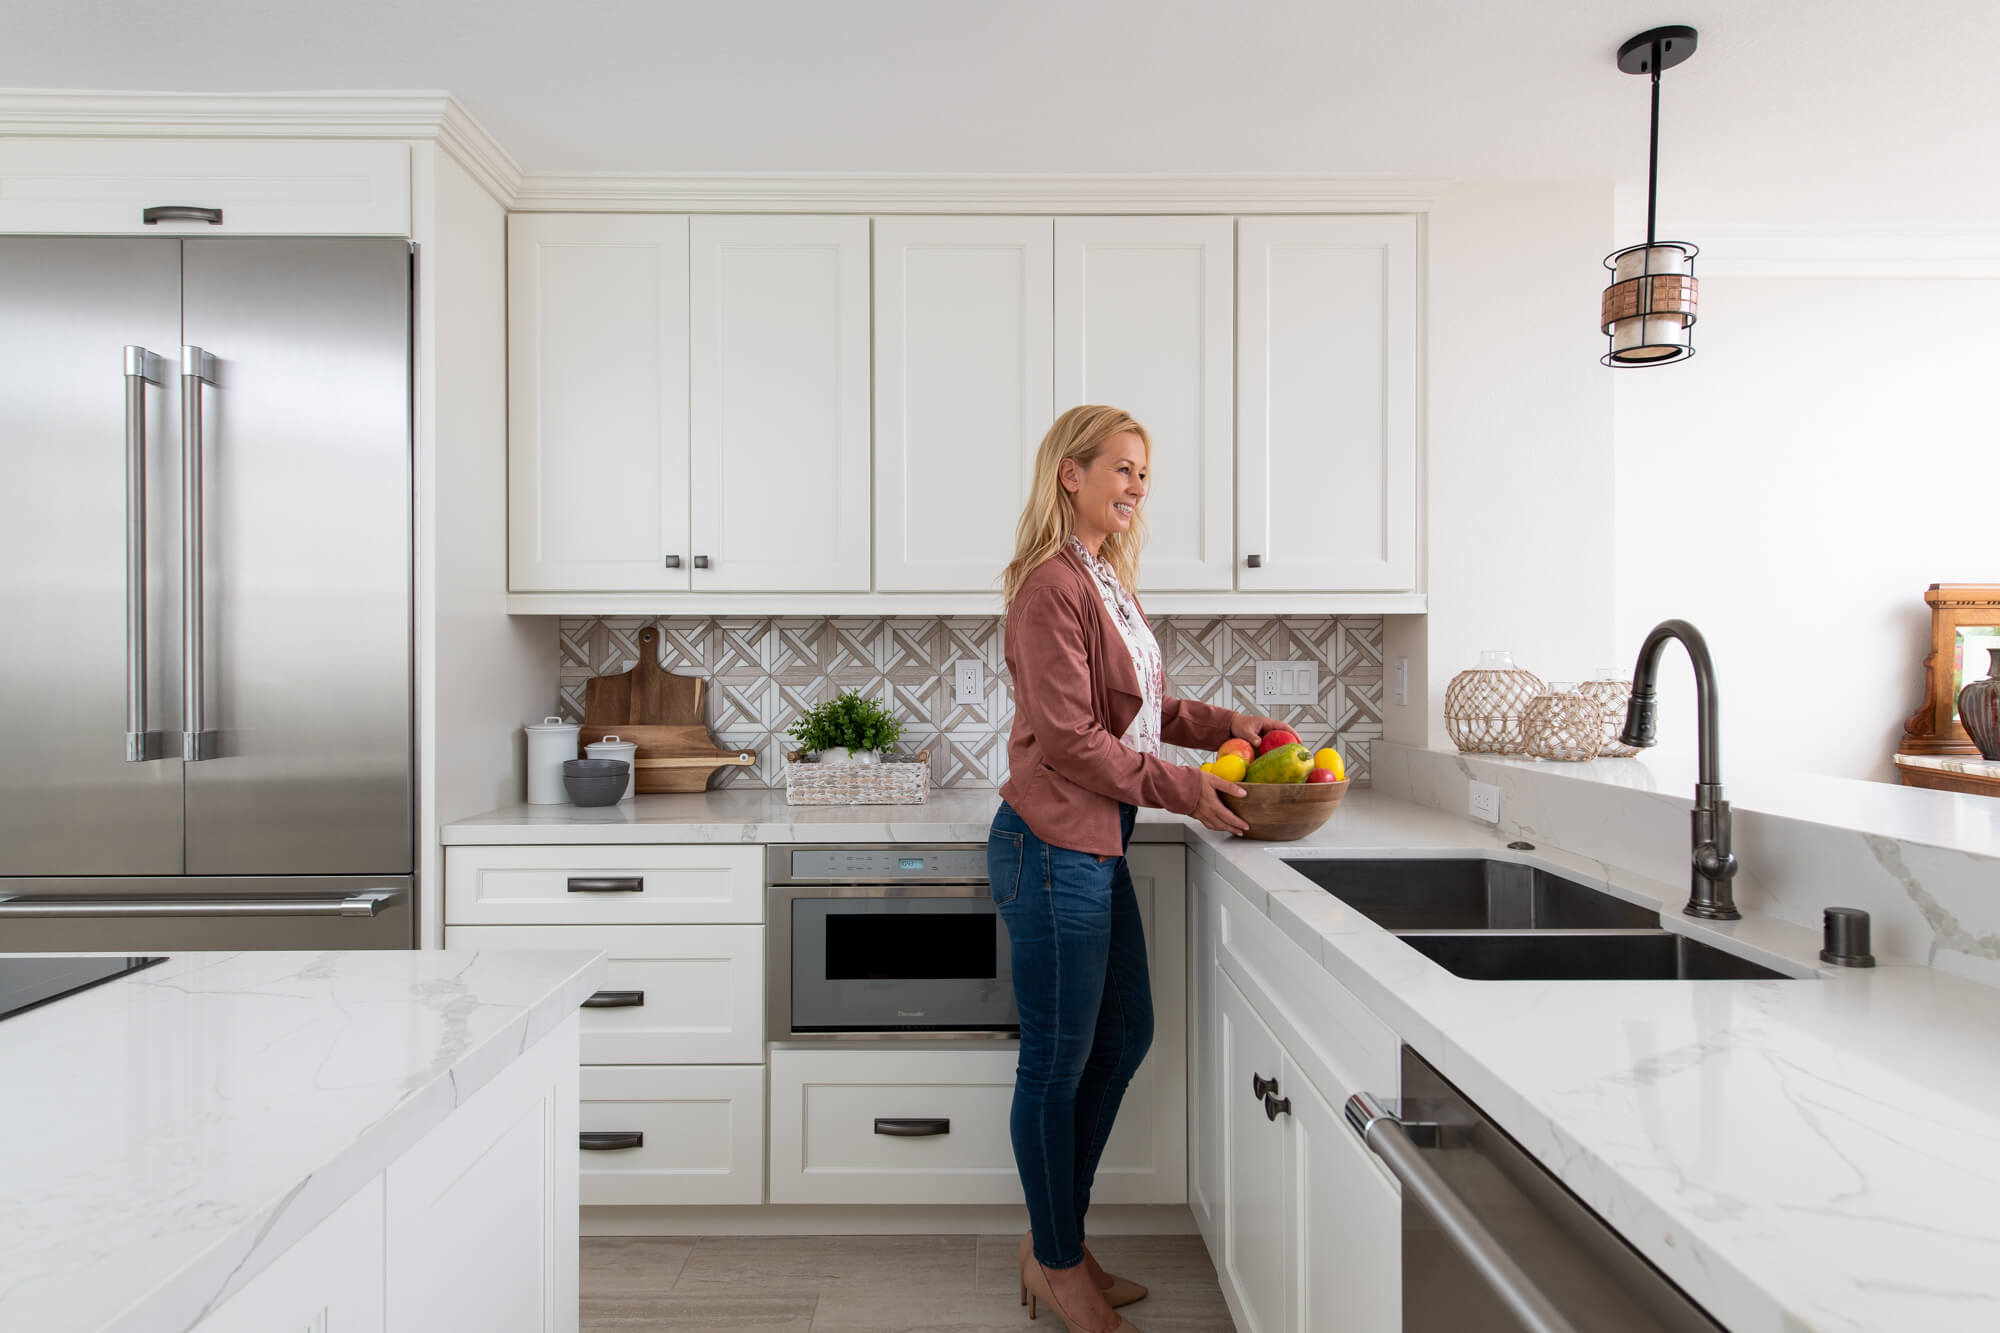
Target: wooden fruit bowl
x: 1285, y: 811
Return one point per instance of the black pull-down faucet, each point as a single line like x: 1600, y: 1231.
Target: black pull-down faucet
x: 1711, y: 894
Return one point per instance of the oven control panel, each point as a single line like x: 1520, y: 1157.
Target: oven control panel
x: 884, y: 865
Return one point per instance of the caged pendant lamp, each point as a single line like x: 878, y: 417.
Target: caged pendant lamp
x: 1649, y: 308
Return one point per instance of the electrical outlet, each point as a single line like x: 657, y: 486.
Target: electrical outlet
x: 1402, y: 681
x: 1482, y: 801
x: 1287, y: 682
x: 969, y: 681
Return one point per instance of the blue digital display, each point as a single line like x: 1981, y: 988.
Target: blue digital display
x: 909, y: 863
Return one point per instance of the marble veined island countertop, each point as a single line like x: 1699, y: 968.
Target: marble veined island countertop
x: 166, y: 1135
x: 1818, y: 1153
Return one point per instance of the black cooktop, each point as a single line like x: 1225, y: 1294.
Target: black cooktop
x: 28, y: 981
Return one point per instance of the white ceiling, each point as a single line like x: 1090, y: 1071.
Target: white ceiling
x: 1833, y: 110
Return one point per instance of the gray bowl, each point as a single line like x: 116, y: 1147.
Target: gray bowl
x: 595, y: 781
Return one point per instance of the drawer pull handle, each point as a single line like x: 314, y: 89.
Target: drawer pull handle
x: 159, y: 213
x: 1277, y: 1106
x: 912, y: 1129
x: 607, y: 884
x: 1261, y: 1087
x: 616, y: 999
x: 610, y: 1140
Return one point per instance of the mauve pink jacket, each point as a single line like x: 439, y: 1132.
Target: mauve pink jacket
x: 1075, y: 692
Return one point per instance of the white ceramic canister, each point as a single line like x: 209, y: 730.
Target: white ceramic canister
x: 613, y: 748
x: 551, y: 744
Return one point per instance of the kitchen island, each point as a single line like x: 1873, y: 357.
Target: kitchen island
x: 249, y: 1141
x: 1821, y: 1152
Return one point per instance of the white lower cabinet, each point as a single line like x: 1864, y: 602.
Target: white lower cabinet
x: 672, y: 1134
x: 1303, y: 1223
x: 330, y: 1282
x: 473, y: 1227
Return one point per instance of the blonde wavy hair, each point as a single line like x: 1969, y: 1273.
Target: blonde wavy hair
x: 1050, y: 514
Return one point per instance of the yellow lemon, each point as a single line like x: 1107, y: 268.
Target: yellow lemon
x: 1329, y: 759
x: 1228, y: 767
x: 1208, y: 767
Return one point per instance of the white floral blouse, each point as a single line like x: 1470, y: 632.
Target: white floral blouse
x: 1144, y: 733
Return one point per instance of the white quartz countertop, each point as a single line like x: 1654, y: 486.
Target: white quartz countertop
x: 164, y: 1136
x: 1804, y: 1154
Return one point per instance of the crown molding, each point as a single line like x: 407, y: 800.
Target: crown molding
x: 442, y: 118
x: 928, y: 192
x: 436, y: 116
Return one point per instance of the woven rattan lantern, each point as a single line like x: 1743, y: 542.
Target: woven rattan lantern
x: 1610, y: 693
x: 1562, y: 724
x: 1648, y: 311
x: 1482, y: 707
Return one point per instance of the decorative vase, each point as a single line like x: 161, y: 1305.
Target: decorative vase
x: 1563, y: 725
x: 1610, y: 693
x: 1482, y: 707
x: 1979, y: 708
x: 840, y: 754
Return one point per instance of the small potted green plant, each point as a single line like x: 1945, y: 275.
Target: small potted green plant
x: 846, y: 729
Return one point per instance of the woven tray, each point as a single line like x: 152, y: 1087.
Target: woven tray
x: 905, y: 780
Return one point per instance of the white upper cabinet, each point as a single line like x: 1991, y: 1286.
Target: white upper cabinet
x: 1145, y: 320
x: 204, y: 187
x: 963, y: 393
x: 597, y: 411
x: 1327, y: 371
x: 779, y: 469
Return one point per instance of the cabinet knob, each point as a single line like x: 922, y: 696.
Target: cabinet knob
x: 1254, y: 561
x: 1261, y: 1087
x: 701, y: 562
x: 673, y: 562
x: 1277, y: 1106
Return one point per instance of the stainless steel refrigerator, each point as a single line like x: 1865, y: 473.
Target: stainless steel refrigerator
x: 206, y: 720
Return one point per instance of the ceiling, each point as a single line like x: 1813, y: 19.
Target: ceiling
x: 1831, y: 110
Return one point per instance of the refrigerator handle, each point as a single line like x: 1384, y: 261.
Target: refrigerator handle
x: 197, y: 741
x: 141, y: 368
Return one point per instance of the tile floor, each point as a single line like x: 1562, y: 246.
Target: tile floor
x: 870, y: 1284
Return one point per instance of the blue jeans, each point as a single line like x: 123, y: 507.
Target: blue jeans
x: 1086, y: 1016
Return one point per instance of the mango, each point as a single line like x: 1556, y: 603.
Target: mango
x: 1287, y: 764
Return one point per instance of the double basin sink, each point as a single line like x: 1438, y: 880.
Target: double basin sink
x: 1502, y: 921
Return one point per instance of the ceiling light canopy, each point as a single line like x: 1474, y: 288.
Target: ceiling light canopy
x: 1649, y: 308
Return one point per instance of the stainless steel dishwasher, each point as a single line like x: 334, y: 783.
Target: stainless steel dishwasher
x: 1492, y: 1241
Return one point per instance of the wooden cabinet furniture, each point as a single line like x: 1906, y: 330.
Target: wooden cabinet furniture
x: 597, y: 402
x: 474, y: 1226
x: 1145, y: 319
x: 673, y: 1043
x: 1326, y: 440
x: 1303, y: 1224
x: 779, y: 389
x: 251, y: 187
x: 964, y: 392
x: 1968, y: 774
x: 690, y: 404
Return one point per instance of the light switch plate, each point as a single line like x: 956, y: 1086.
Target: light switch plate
x: 969, y: 681
x: 1287, y: 682
x: 1482, y: 801
x: 1401, y: 682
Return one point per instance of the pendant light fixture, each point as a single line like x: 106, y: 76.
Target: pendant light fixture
x: 1649, y: 308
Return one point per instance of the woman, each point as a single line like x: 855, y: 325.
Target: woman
x: 1090, y: 714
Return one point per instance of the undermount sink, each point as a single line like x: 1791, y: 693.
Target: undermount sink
x: 1469, y: 893
x: 1622, y: 955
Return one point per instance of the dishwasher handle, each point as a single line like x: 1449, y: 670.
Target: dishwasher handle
x: 1389, y: 1138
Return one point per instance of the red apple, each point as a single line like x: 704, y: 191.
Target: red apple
x: 1275, y: 737
x: 1321, y: 775
x: 1240, y: 748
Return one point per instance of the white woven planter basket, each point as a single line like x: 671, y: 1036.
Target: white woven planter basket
x: 905, y: 780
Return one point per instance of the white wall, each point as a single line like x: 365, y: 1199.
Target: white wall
x: 491, y: 672
x: 1829, y: 452
x: 1519, y: 452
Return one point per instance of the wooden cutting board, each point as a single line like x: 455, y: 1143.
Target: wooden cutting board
x: 664, y: 715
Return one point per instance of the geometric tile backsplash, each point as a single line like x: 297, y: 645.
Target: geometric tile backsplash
x: 763, y: 670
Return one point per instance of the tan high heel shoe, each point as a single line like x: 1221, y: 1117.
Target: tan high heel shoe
x: 1117, y: 1290
x: 1035, y: 1292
